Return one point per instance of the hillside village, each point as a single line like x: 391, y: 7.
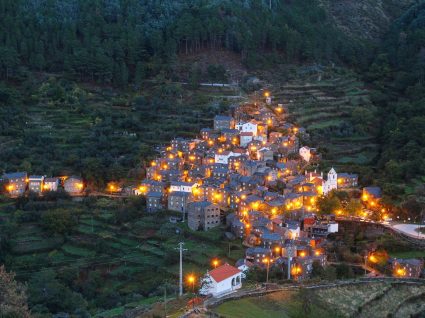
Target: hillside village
x: 250, y: 172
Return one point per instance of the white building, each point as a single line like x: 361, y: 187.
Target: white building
x: 305, y: 153
x: 251, y: 127
x: 221, y: 281
x: 224, y: 156
x: 333, y: 227
x: 331, y: 183
x: 183, y: 186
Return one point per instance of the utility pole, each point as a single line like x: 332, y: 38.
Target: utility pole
x: 289, y: 267
x: 181, y: 249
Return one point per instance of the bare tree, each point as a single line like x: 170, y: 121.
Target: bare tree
x: 13, y: 298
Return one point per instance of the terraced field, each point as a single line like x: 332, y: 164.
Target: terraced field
x: 337, y: 113
x: 133, y: 258
x: 81, y: 121
x: 378, y: 299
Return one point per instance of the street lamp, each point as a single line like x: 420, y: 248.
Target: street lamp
x: 215, y: 263
x: 267, y: 261
x: 191, y: 280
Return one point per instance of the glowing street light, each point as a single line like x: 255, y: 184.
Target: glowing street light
x: 191, y: 280
x: 215, y: 263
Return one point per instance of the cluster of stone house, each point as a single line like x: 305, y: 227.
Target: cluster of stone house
x: 291, y: 245
x: 249, y: 161
x: 249, y: 167
x: 17, y: 184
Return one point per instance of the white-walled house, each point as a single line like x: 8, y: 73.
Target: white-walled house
x: 221, y: 281
x: 183, y: 186
x: 305, y: 153
x: 224, y: 156
x: 248, y: 127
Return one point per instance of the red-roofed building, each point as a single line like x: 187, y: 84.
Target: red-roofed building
x: 221, y: 281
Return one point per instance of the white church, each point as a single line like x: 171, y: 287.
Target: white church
x: 331, y: 183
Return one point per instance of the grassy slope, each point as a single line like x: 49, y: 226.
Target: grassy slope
x: 276, y: 305
x: 368, y: 300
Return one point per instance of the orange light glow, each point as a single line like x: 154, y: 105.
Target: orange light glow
x: 296, y: 270
x: 373, y: 259
x: 401, y: 272
x: 302, y: 254
x: 191, y: 279
x: 215, y: 263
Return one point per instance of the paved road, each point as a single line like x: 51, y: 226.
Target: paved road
x: 408, y: 229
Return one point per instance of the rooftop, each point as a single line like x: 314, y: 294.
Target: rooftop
x: 223, y: 272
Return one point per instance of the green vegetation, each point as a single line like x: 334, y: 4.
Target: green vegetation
x: 94, y: 133
x: 397, y: 73
x: 127, y: 41
x: 365, y: 300
x: 115, y: 254
x: 281, y: 304
x: 408, y: 254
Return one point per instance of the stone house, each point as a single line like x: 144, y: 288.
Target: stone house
x: 203, y: 215
x: 16, y: 183
x: 73, y: 185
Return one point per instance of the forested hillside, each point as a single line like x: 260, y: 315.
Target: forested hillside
x: 399, y: 74
x: 126, y: 41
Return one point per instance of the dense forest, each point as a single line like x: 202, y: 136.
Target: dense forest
x: 398, y: 72
x: 118, y: 42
